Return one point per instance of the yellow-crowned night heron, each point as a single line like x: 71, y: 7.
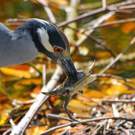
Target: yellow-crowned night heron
x: 35, y: 35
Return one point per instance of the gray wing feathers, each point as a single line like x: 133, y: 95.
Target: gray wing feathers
x: 15, y: 51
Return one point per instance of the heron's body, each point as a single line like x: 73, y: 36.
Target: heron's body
x: 15, y: 50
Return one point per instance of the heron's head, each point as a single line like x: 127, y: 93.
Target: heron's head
x: 52, y: 42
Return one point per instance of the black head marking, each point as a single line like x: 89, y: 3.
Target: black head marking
x: 57, y: 38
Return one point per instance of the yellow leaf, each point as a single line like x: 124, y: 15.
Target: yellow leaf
x: 14, y: 72
x: 116, y: 90
x: 102, y: 54
x: 94, y: 94
x: 36, y: 81
x: 3, y: 118
x: 36, y: 130
x: 78, y: 107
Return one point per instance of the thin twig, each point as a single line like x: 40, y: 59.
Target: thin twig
x: 121, y: 21
x: 48, y: 11
x: 54, y: 116
x: 116, y: 59
x: 118, y: 101
x: 85, y: 15
x: 102, y: 44
x: 44, y: 74
x: 18, y: 102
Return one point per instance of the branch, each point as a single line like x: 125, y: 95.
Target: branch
x: 118, y: 101
x: 104, y: 4
x: 48, y: 11
x: 85, y: 15
x: 53, y: 116
x: 121, y: 21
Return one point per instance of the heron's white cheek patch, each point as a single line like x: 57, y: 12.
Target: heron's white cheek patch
x: 45, y: 39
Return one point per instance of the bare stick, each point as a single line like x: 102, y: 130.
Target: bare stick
x: 48, y: 11
x: 117, y: 22
x: 53, y: 116
x: 104, y: 4
x: 115, y: 60
x: 44, y: 74
x: 119, y: 101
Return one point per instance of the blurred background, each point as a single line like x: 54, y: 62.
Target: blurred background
x: 98, y: 37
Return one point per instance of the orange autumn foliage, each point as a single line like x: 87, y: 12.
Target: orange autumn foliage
x: 128, y: 27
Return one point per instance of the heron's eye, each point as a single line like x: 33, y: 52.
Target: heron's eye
x: 58, y: 49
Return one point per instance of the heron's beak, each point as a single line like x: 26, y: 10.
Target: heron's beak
x: 68, y: 67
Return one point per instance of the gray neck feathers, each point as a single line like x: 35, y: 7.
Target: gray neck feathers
x: 15, y: 47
